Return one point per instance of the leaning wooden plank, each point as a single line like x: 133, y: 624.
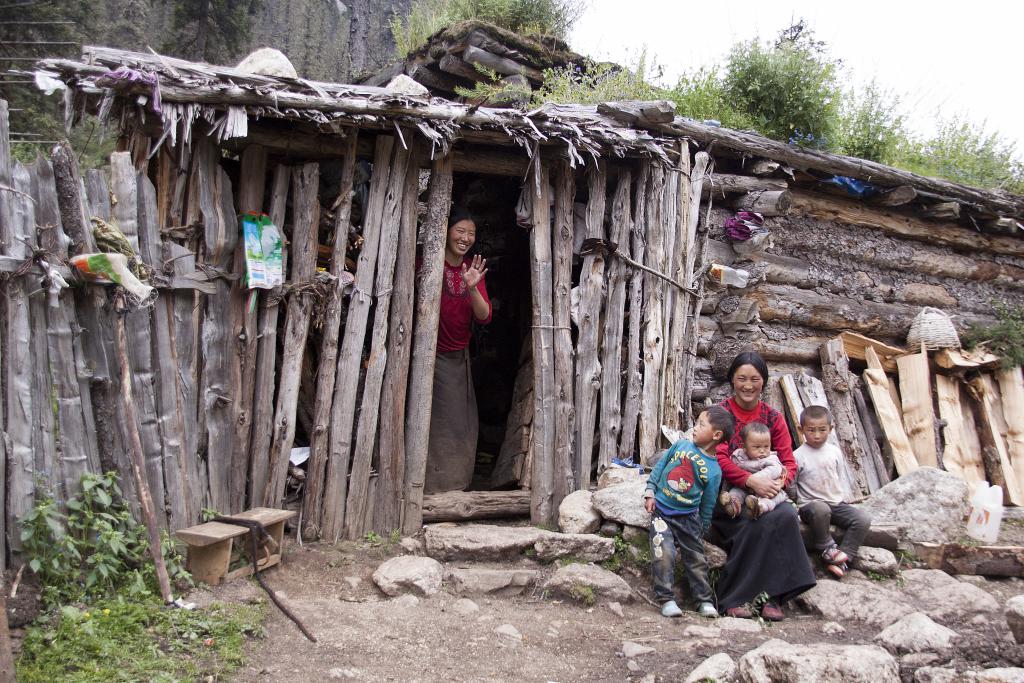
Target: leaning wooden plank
x: 542, y: 510
x: 696, y: 257
x: 855, y: 346
x: 18, y: 360
x: 588, y: 365
x: 565, y: 412
x: 306, y: 185
x: 794, y: 405
x: 672, y: 259
x: 125, y: 209
x: 346, y: 390
x: 424, y: 346
x: 635, y: 303
x: 957, y: 455
x: 316, y: 466
x: 251, y: 187
x: 682, y: 254
x: 388, y: 504
x: 610, y: 424
x: 76, y: 447
x: 266, y: 358
x: 366, y: 431
x: 460, y: 506
x: 993, y: 449
x: 918, y: 413
x: 888, y: 413
x: 508, y: 468
x: 653, y: 322
x: 838, y: 383
x: 1012, y: 387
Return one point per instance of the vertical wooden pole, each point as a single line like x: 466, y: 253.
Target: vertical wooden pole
x: 388, y: 507
x: 343, y: 411
x: 424, y: 345
x: 695, y: 254
x: 565, y: 407
x: 542, y: 509
x: 610, y: 423
x: 366, y: 433
x: 588, y: 365
x: 6, y: 657
x: 634, y: 386
x: 682, y: 254
x: 654, y: 299
x: 316, y: 467
x: 266, y: 358
x: 306, y: 184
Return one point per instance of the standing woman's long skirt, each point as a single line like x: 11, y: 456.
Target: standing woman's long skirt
x: 453, y: 425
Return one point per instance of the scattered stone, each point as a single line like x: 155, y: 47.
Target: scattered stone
x: 632, y: 533
x: 1014, y: 612
x: 631, y: 650
x: 889, y: 535
x: 916, y: 633
x: 915, y: 660
x: 877, y: 560
x: 624, y: 503
x: 610, y: 528
x: 409, y: 572
x: 979, y: 620
x: 465, y: 606
x: 866, y: 602
x: 720, y: 668
x: 616, y: 609
x: 268, y: 62
x: 353, y: 581
x: 695, y: 632
x: 649, y: 678
x: 412, y: 545
x: 482, y: 581
x: 935, y: 674
x: 740, y: 625
x: 831, y: 628
x: 943, y: 597
x: 584, y: 547
x: 585, y: 582
x: 479, y: 542
x: 576, y: 514
x: 403, y: 85
x: 930, y: 502
x: 716, y: 556
x: 972, y: 578
x: 633, y: 667
x: 509, y: 632
x: 407, y: 601
x: 339, y: 673
x: 998, y: 675
x: 777, y: 661
x: 617, y: 475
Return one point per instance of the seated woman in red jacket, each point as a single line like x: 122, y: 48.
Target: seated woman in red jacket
x: 453, y: 417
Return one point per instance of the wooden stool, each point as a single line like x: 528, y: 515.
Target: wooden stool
x: 210, y: 545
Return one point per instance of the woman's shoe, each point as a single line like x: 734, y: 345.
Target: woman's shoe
x: 740, y: 612
x: 772, y: 612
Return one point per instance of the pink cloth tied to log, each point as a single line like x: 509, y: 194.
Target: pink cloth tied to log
x: 124, y: 78
x: 740, y: 227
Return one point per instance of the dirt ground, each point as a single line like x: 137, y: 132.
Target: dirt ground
x: 364, y: 635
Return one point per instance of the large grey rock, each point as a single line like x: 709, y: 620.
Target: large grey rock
x: 916, y: 633
x: 268, y: 62
x: 738, y: 625
x: 912, y: 661
x: 776, y: 661
x: 403, y: 85
x: 942, y: 597
x: 877, y: 560
x: 508, y: 632
x: 585, y: 581
x: 409, y: 573
x: 583, y: 547
x: 865, y: 601
x: 617, y: 475
x: 624, y: 503
x: 1014, y: 612
x: 998, y: 675
x: 576, y: 514
x: 480, y: 542
x: 482, y: 581
x: 930, y: 502
x: 720, y: 668
x: 937, y: 674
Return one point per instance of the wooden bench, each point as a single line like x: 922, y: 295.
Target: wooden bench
x: 210, y: 545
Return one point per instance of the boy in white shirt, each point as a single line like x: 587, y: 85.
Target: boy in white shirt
x: 820, y: 495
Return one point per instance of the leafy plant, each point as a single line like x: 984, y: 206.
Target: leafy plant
x: 1005, y: 337
x: 582, y: 593
x: 493, y: 89
x: 95, y: 549
x: 871, y: 125
x: 701, y: 95
x: 592, y: 83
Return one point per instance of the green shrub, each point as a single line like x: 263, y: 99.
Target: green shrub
x: 701, y: 95
x: 592, y: 83
x: 871, y: 125
x: 1004, y: 338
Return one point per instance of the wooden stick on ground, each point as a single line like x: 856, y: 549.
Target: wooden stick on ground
x: 135, y: 449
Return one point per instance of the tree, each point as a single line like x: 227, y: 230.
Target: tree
x: 214, y: 31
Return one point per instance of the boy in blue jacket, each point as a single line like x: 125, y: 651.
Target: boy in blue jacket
x: 681, y: 493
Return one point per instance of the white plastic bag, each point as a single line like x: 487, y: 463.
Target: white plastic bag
x: 986, y: 512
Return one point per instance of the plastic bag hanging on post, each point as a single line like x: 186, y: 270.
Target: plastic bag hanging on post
x: 264, y: 263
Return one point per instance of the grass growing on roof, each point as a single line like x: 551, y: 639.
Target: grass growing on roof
x: 137, y: 641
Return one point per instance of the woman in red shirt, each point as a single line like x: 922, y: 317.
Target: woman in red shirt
x: 453, y: 417
x: 766, y: 555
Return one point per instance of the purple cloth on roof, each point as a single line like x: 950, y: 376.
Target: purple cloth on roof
x: 123, y: 78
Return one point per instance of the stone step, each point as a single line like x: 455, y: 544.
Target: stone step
x: 450, y: 542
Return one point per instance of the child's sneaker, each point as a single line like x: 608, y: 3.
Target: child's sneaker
x: 836, y: 570
x: 729, y: 504
x: 671, y: 609
x: 833, y: 555
x: 706, y: 609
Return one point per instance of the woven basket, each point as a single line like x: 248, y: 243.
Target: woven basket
x: 933, y: 328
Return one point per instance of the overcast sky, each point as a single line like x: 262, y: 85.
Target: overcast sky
x: 941, y: 57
